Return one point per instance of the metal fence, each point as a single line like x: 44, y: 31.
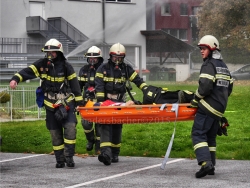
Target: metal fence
x: 21, y: 104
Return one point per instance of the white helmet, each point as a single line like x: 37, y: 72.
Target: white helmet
x: 117, y: 49
x: 94, y: 52
x: 209, y: 41
x: 53, y: 45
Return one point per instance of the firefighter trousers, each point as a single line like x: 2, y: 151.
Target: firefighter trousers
x: 204, y: 132
x: 63, y: 134
x: 111, y: 139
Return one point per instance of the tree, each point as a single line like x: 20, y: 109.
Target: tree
x: 228, y: 21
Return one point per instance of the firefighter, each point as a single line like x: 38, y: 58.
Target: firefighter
x: 111, y: 80
x: 211, y: 97
x: 61, y: 94
x: 86, y: 80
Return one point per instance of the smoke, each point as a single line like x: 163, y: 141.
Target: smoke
x: 119, y: 24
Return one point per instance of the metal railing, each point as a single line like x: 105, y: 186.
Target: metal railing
x: 65, y: 27
x: 21, y: 45
x: 22, y: 104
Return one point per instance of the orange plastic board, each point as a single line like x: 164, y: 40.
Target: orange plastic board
x: 136, y: 114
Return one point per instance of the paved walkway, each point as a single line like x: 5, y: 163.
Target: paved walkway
x: 38, y: 171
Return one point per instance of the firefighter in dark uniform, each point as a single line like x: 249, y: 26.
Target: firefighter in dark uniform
x: 110, y: 83
x: 61, y: 96
x: 211, y: 97
x: 86, y: 80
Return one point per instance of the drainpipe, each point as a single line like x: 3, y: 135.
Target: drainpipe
x: 189, y: 61
x: 103, y: 28
x: 103, y: 19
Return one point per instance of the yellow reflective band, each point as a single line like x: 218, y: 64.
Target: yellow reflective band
x: 100, y: 75
x: 210, y: 77
x: 98, y: 138
x: 116, y: 145
x: 92, y: 78
x: 43, y: 75
x: 66, y: 141
x: 58, y: 147
x: 198, y: 95
x: 70, y: 77
x: 78, y: 98
x: 20, y: 77
x: 212, y: 148
x: 105, y: 144
x: 49, y: 104
x: 108, y: 79
x: 133, y: 76
x: 34, y: 70
x: 200, y: 145
x: 188, y: 92
x: 71, y: 98
x: 82, y: 79
x: 222, y: 76
x: 55, y: 79
x: 142, y: 85
x: 100, y: 94
x: 150, y: 93
x: 211, y: 109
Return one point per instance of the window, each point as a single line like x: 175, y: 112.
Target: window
x: 178, y: 33
x: 195, y: 10
x: 130, y: 1
x: 183, y: 34
x: 165, y: 9
x: 184, y: 9
x: 173, y: 32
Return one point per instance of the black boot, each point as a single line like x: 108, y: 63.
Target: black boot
x: 90, y: 145
x: 60, y: 164
x: 206, y: 168
x: 212, y: 153
x: 69, y: 161
x: 105, y: 159
x: 97, y: 147
x: 115, y: 159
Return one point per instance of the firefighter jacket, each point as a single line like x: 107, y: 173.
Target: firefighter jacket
x: 111, y: 80
x: 215, y: 86
x: 86, y: 79
x: 57, y: 78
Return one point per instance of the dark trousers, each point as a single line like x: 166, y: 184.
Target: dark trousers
x: 63, y: 133
x: 111, y: 139
x: 204, y: 132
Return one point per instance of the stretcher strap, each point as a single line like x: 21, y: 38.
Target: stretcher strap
x: 175, y: 108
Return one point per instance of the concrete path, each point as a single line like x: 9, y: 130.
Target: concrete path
x: 38, y: 171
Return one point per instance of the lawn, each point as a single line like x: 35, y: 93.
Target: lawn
x: 147, y: 139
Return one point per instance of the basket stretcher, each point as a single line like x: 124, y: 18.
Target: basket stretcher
x: 137, y: 113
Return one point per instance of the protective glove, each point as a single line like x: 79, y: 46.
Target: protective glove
x: 223, y: 127
x: 194, y: 103
x: 61, y: 113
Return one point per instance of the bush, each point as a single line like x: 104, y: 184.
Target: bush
x: 4, y: 97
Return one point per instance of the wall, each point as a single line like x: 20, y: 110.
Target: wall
x: 182, y: 72
x: 175, y: 20
x: 124, y: 21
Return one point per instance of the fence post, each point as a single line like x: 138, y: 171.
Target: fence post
x: 11, y: 106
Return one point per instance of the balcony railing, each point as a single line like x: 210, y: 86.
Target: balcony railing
x: 68, y: 29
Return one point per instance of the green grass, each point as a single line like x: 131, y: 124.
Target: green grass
x: 150, y: 140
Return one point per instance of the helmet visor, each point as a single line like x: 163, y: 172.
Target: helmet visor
x: 117, y: 58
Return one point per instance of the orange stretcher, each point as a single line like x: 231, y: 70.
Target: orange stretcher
x: 137, y: 113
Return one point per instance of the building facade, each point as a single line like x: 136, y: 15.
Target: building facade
x: 105, y: 22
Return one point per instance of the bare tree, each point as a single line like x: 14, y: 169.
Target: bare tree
x: 228, y: 20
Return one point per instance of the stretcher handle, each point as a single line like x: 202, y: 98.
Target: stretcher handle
x: 130, y: 106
